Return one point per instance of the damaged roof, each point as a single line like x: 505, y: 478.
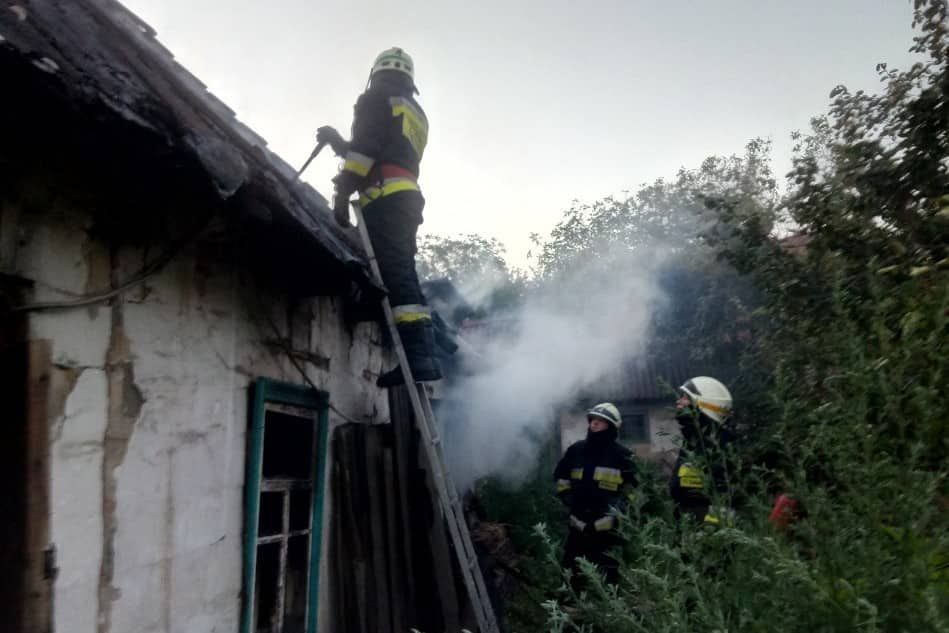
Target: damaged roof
x: 99, y: 57
x: 650, y: 379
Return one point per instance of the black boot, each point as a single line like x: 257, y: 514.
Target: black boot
x: 418, y: 340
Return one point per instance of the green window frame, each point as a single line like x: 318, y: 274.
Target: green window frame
x: 266, y: 393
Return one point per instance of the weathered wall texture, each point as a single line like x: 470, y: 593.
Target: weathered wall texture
x: 664, y: 433
x: 149, y: 411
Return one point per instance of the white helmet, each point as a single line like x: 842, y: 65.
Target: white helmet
x: 606, y: 411
x: 394, y: 59
x: 710, y: 396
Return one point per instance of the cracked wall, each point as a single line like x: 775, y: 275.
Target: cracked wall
x: 148, y: 418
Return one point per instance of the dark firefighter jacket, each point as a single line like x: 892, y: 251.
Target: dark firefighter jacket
x: 389, y: 135
x: 700, y: 470
x: 593, y: 478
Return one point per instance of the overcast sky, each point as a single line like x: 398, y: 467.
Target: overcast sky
x: 535, y: 104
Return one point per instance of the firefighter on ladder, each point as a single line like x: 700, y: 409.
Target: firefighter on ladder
x: 595, y: 479
x: 381, y: 162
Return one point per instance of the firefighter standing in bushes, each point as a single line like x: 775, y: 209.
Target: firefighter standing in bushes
x: 703, y: 408
x: 381, y: 162
x: 595, y: 478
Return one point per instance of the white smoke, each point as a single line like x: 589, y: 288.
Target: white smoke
x: 566, y: 338
x: 478, y: 290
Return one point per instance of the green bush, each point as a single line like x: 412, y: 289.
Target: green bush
x: 846, y: 379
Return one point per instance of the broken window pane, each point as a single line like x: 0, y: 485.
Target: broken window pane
x: 268, y: 571
x: 295, y: 588
x: 270, y: 521
x: 288, y: 446
x: 300, y: 509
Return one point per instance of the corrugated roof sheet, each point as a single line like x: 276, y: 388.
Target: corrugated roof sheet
x: 648, y: 379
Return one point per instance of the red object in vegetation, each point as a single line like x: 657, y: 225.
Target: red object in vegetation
x: 784, y: 511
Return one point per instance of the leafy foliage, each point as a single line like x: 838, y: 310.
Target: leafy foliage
x: 476, y: 266
x: 708, y: 312
x: 845, y: 373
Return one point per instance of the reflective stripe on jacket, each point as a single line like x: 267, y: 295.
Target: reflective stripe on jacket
x: 594, y: 482
x: 390, y: 132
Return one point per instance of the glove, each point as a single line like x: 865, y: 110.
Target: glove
x: 346, y: 183
x: 341, y: 209
x: 328, y: 135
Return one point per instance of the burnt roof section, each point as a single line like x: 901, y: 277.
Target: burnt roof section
x: 100, y: 58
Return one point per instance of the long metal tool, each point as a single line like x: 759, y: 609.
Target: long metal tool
x: 447, y: 494
x: 316, y: 152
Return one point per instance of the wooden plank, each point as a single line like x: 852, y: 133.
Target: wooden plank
x: 442, y: 569
x: 403, y: 436
x: 339, y: 554
x: 351, y: 615
x: 38, y: 612
x: 359, y: 529
x: 377, y: 527
x: 444, y: 574
x: 397, y: 584
x: 423, y: 516
x: 355, y: 458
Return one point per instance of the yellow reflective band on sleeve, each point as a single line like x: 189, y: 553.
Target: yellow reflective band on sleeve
x: 411, y: 312
x: 689, y: 476
x: 711, y: 519
x: 608, y: 478
x: 359, y: 164
x: 604, y: 524
x: 563, y: 485
x: 576, y: 473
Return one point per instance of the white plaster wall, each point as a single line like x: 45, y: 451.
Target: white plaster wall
x: 76, y: 527
x: 196, y: 346
x: 62, y: 262
x: 663, y: 430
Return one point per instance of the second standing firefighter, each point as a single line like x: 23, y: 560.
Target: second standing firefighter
x: 703, y: 408
x: 381, y: 162
x: 595, y: 478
